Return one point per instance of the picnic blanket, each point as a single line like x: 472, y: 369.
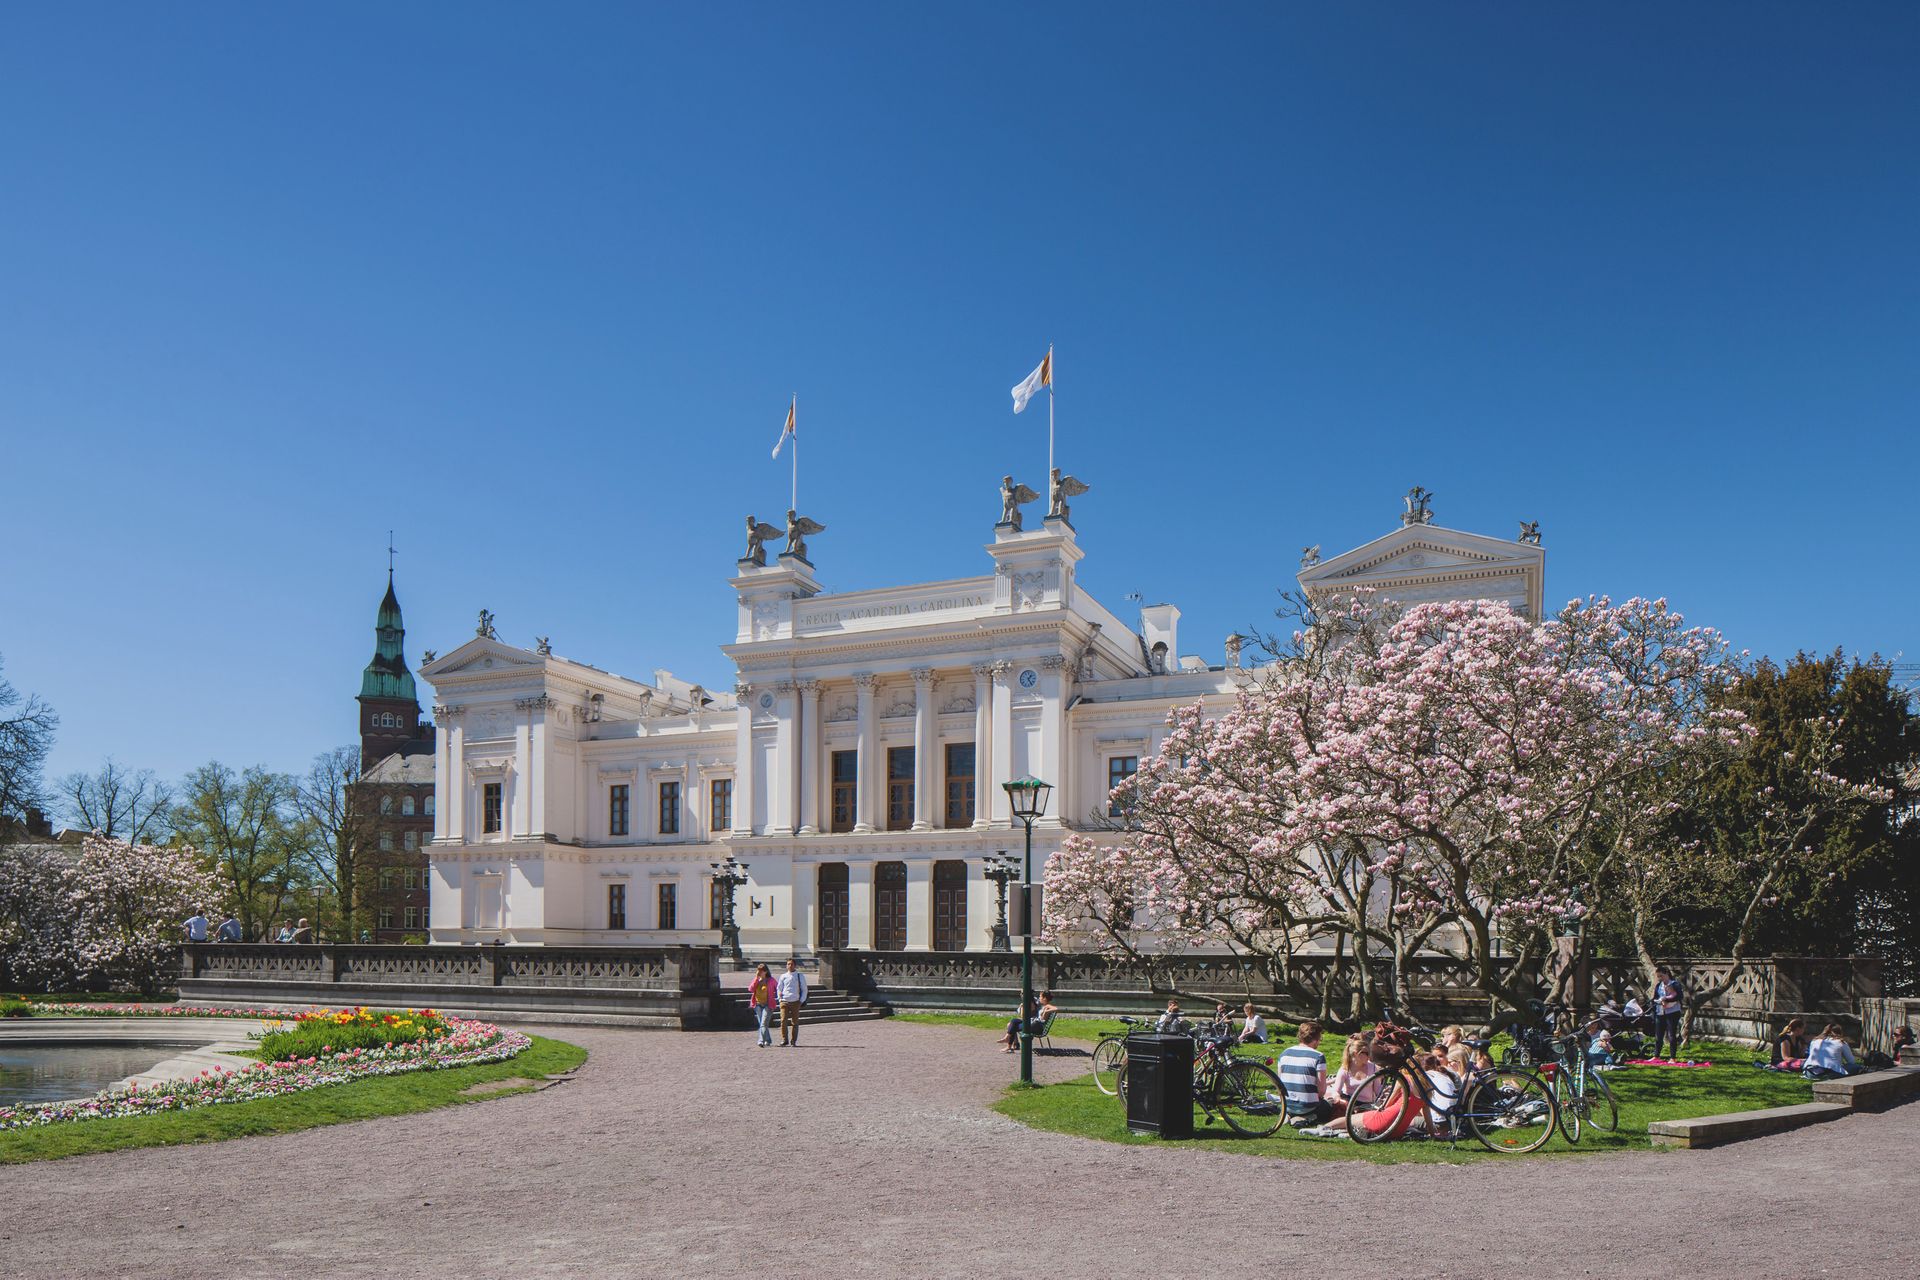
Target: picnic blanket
x: 1665, y: 1062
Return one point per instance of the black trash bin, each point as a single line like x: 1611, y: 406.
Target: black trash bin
x: 1160, y: 1085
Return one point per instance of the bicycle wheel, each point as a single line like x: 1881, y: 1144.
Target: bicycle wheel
x: 1572, y: 1104
x: 1107, y: 1057
x: 1247, y: 1095
x: 1120, y: 1080
x: 1378, y: 1093
x: 1603, y: 1113
x: 1511, y: 1112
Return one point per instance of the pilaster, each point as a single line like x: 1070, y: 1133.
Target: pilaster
x: 982, y: 743
x: 1002, y: 744
x: 860, y: 904
x: 919, y: 903
x: 1055, y: 684
x: 809, y: 757
x: 866, y: 762
x: 786, y: 709
x: 743, y: 771
x: 925, y: 770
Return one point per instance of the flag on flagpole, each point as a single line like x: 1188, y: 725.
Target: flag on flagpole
x: 786, y: 432
x: 1041, y: 377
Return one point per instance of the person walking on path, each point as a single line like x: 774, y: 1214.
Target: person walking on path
x: 760, y: 1000
x: 1666, y: 1012
x: 196, y: 926
x: 791, y: 992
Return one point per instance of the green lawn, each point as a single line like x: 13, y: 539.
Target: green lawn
x: 1646, y: 1094
x: 334, y: 1104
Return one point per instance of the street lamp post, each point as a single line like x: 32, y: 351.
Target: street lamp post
x: 732, y: 874
x: 1001, y: 868
x: 1028, y: 797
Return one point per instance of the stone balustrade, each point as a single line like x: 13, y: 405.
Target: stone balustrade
x: 644, y: 986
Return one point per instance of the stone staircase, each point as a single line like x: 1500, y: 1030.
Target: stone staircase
x: 824, y: 1004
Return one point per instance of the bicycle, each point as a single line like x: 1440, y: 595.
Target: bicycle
x: 1508, y: 1110
x: 1243, y: 1093
x: 1110, y: 1055
x: 1582, y: 1096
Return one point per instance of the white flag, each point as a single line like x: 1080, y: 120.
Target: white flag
x: 1041, y: 377
x: 787, y: 431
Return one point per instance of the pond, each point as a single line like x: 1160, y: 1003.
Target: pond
x: 45, y: 1073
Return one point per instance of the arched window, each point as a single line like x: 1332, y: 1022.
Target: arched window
x: 386, y: 804
x: 429, y: 806
x: 406, y: 805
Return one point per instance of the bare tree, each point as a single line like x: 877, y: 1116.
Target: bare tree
x: 337, y: 814
x: 26, y: 732
x: 118, y: 803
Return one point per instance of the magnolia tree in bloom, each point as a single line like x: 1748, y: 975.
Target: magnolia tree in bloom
x: 1449, y: 776
x: 109, y: 912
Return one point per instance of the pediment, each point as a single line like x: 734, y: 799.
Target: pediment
x: 1427, y: 561
x: 482, y: 654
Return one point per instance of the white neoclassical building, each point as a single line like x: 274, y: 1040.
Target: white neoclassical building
x: 854, y: 762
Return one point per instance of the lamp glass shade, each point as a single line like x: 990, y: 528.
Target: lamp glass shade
x: 1028, y: 797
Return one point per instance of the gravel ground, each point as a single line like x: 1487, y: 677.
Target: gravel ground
x: 870, y: 1151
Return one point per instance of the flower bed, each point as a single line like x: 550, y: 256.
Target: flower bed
x: 73, y: 1009
x: 329, y: 1031
x: 465, y: 1044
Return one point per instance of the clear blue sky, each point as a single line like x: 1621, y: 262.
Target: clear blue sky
x: 531, y: 285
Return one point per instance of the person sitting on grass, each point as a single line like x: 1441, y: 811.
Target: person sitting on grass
x: 1830, y: 1054
x: 1171, y: 1022
x: 1443, y: 1090
x: 1303, y: 1074
x: 1599, y: 1044
x: 1042, y: 1014
x: 1222, y: 1024
x: 1356, y: 1068
x: 1254, y: 1030
x: 1790, y: 1046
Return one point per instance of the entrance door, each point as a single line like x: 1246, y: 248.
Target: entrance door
x: 835, y: 907
x: 488, y: 893
x: 890, y: 906
x: 949, y: 906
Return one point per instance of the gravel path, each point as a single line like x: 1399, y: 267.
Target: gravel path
x: 870, y: 1151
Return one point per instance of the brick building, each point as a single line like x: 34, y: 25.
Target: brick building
x: 395, y: 791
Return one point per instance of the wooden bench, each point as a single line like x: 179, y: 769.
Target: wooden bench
x: 1713, y: 1131
x: 1872, y: 1091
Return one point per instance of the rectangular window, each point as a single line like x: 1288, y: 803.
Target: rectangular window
x: 386, y: 917
x: 490, y: 807
x: 386, y: 840
x: 616, y: 906
x: 413, y: 917
x: 1119, y: 769
x: 899, y: 788
x: 669, y: 808
x: 617, y: 802
x: 410, y: 840
x: 959, y: 784
x: 846, y: 789
x: 720, y: 805
x: 716, y: 893
x: 389, y: 878
x: 413, y: 878
x: 669, y: 905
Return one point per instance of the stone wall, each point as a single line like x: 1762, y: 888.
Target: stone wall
x: 669, y: 987
x: 1442, y: 989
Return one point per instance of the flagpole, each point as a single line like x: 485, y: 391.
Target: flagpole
x: 795, y: 493
x: 1050, y: 374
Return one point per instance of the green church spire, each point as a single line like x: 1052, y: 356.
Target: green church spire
x: 387, y: 675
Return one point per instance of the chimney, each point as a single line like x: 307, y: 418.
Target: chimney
x: 1160, y: 634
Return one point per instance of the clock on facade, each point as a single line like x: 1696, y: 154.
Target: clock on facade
x: 1029, y: 678
x: 766, y: 700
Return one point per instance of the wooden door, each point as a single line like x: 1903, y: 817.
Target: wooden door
x: 949, y: 906
x: 835, y: 907
x: 890, y: 906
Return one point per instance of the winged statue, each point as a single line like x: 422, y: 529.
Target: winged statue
x: 798, y: 528
x: 1012, y: 498
x: 1063, y: 487
x: 759, y: 533
x: 1530, y: 532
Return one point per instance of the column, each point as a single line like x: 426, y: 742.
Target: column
x: 743, y: 779
x: 919, y: 903
x: 1053, y: 734
x: 982, y: 743
x: 786, y: 710
x: 803, y: 895
x: 866, y: 758
x: 520, y: 819
x: 1002, y: 743
x: 450, y: 786
x: 925, y: 772
x: 860, y: 906
x: 809, y: 757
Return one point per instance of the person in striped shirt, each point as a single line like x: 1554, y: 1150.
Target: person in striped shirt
x: 1303, y: 1074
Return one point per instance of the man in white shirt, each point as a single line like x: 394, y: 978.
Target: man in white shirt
x: 790, y: 989
x: 1255, y: 1030
x: 197, y: 926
